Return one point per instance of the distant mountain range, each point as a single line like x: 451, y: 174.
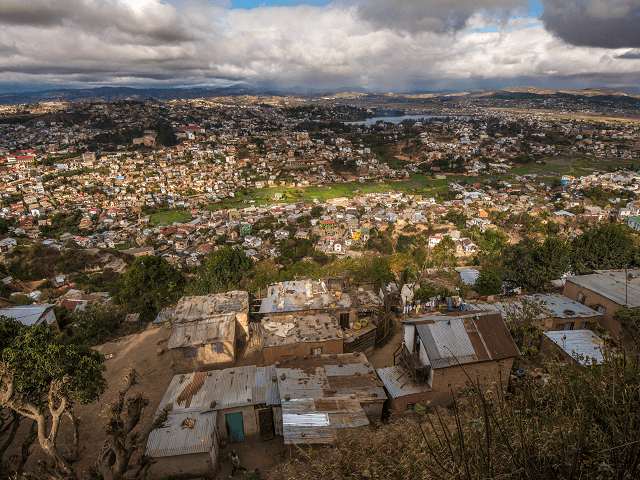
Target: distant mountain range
x: 111, y: 94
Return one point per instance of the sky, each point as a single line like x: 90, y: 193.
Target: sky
x: 318, y: 45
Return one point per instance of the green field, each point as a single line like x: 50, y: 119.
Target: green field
x: 168, y: 218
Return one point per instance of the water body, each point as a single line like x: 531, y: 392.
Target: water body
x: 396, y: 120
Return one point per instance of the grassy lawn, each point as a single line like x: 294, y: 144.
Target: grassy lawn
x: 168, y: 218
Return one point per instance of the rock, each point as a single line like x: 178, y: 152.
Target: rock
x: 160, y: 351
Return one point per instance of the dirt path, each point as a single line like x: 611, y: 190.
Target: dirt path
x: 383, y: 357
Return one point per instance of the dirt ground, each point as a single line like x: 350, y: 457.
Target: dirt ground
x: 383, y: 357
x: 262, y: 455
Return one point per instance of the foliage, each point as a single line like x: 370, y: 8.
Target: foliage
x: 532, y: 265
x: 493, y: 240
x: 165, y: 135
x: 38, y: 261
x: 489, y: 282
x: 316, y: 211
x: 604, y: 248
x: 630, y: 319
x: 223, y: 271
x: 459, y: 219
x: 42, y: 376
x: 147, y: 286
x: 96, y: 324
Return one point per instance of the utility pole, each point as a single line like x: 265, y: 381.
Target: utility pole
x: 626, y: 289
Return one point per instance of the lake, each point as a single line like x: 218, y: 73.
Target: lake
x: 396, y: 120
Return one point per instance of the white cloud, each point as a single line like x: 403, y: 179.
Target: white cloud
x: 199, y: 42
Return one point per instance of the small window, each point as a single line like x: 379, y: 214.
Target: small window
x: 584, y: 325
x: 316, y: 351
x: 581, y: 298
x: 217, y: 348
x: 190, y: 352
x: 410, y: 406
x: 568, y: 326
x: 602, y: 309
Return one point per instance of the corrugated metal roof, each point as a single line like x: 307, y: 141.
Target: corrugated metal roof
x: 193, y: 309
x: 172, y: 439
x: 348, y: 369
x: 582, y: 345
x: 195, y: 392
x: 302, y: 295
x: 399, y: 382
x: 185, y: 393
x: 313, y: 421
x: 302, y: 383
x: 447, y: 343
x: 25, y: 314
x: 552, y: 305
x: 213, y: 330
x: 611, y: 284
x: 468, y: 275
x: 496, y: 336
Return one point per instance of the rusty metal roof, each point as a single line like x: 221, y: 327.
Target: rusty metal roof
x: 496, y: 336
x: 196, y: 392
x: 450, y: 341
x: 193, y: 309
x: 316, y: 420
x: 399, y: 382
x: 183, y: 433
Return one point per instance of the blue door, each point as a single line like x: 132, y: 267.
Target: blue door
x: 235, y: 427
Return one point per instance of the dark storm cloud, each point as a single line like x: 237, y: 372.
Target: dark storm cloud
x: 594, y: 23
x: 440, y: 16
x: 161, y: 24
x: 632, y: 55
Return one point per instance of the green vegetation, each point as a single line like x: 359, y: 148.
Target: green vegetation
x: 43, y: 374
x: 604, y: 248
x: 149, y: 284
x: 169, y: 218
x: 37, y: 261
x: 224, y: 271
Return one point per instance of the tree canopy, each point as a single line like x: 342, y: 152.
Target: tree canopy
x: 532, y: 265
x: 148, y: 285
x: 604, y: 248
x: 223, y: 271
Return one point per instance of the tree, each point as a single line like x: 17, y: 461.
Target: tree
x: 316, y: 211
x: 148, y: 285
x: 604, y: 248
x: 123, y: 416
x: 223, y: 271
x: 42, y: 376
x: 532, y: 265
x: 489, y: 282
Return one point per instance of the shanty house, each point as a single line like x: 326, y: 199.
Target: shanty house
x: 442, y: 355
x: 309, y: 400
x: 549, y: 311
x: 581, y: 347
x: 300, y: 334
x: 323, y: 396
x: 31, y: 314
x: 205, y: 330
x: 606, y: 291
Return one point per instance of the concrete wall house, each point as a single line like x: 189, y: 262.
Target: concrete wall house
x: 550, y: 311
x: 575, y: 347
x: 606, y: 291
x: 300, y: 334
x: 440, y: 354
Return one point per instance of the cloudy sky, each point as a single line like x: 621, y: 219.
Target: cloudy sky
x: 378, y: 45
